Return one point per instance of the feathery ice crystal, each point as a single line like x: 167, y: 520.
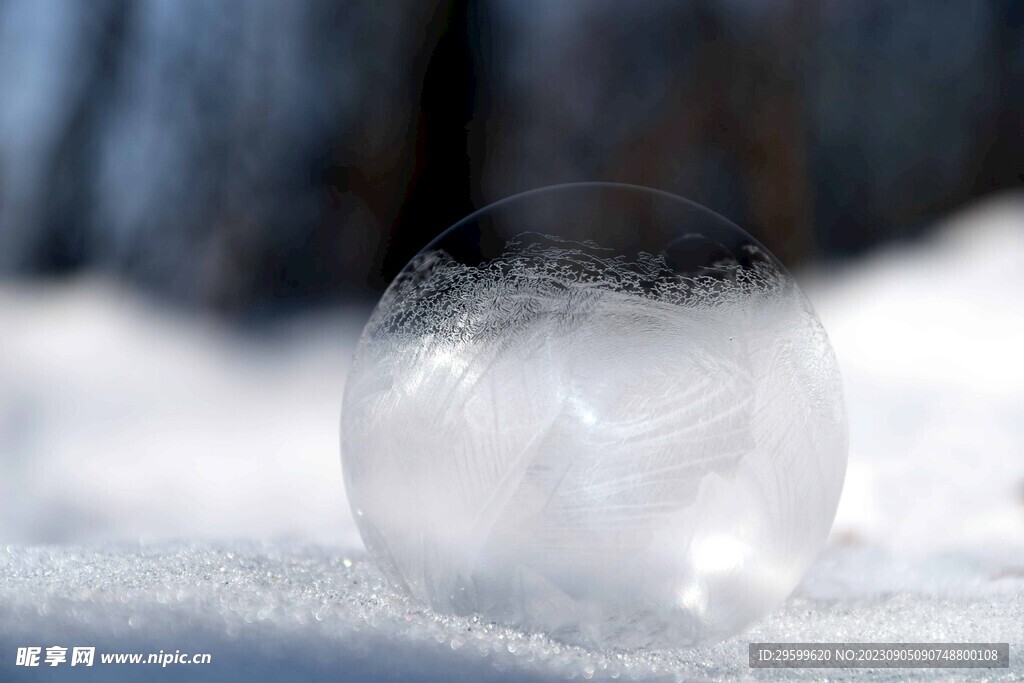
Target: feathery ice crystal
x: 597, y: 411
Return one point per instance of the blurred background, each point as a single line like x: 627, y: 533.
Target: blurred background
x: 201, y: 201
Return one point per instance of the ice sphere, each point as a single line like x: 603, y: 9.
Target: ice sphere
x: 597, y: 411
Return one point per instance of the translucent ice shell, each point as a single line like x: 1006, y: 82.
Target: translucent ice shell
x: 596, y: 411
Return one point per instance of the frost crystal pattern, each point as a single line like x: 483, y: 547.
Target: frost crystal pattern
x: 603, y: 446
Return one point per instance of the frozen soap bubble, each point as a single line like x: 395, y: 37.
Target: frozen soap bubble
x: 597, y: 411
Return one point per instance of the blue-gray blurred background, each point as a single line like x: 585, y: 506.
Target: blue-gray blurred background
x: 200, y: 200
x: 257, y: 156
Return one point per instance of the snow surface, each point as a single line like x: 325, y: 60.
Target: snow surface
x: 120, y: 422
x: 307, y: 613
